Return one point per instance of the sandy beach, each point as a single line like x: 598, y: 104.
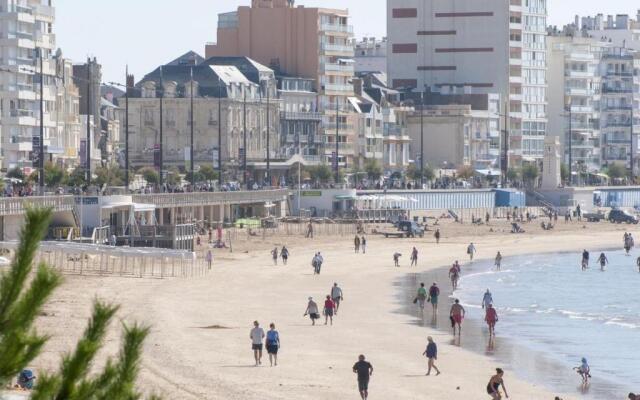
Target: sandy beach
x: 199, y: 347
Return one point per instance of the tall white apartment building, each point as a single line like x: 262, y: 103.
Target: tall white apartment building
x: 370, y: 55
x: 575, y: 94
x: 26, y: 29
x: 597, y: 84
x: 480, y: 46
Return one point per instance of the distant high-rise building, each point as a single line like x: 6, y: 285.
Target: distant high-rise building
x: 371, y: 55
x: 480, y: 46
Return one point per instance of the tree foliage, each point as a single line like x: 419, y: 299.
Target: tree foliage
x: 373, y: 169
x: 321, y: 173
x: 414, y: 173
x: 465, y: 172
x: 616, y: 171
x: 77, y: 177
x: 54, y: 175
x: 564, y: 173
x: 513, y: 174
x: 208, y: 173
x: 530, y: 173
x: 110, y: 175
x: 150, y: 175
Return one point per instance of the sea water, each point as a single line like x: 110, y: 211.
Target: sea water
x: 548, y: 304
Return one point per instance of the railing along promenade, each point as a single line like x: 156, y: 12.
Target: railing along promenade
x: 164, y: 200
x: 18, y: 205
x: 58, y: 203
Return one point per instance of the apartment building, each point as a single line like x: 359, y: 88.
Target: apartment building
x: 596, y: 84
x: 621, y: 30
x: 620, y: 107
x: 312, y: 43
x: 225, y: 102
x: 26, y: 34
x: 487, y: 46
x: 300, y: 121
x: 458, y: 130
x: 370, y: 55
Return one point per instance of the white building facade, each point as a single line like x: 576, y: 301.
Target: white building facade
x: 26, y: 30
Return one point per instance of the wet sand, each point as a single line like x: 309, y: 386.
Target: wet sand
x: 532, y: 365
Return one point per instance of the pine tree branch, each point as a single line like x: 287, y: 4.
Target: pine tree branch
x: 76, y: 366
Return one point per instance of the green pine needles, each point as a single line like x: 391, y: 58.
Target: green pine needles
x: 20, y: 343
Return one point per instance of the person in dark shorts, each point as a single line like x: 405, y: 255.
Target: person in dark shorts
x: 273, y: 344
x: 284, y: 253
x: 364, y: 369
x: 257, y: 335
x: 329, y: 309
x: 434, y: 292
x: 493, y: 387
x: 336, y: 296
x: 312, y: 311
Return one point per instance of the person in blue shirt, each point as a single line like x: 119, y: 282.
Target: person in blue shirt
x: 273, y: 344
x: 432, y: 354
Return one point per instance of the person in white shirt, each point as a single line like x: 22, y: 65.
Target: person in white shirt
x: 257, y: 335
x: 471, y: 250
x: 336, y: 296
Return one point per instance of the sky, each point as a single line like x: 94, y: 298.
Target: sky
x: 147, y: 33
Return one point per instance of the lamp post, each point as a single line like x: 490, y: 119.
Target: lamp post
x: 191, y: 160
x: 219, y: 133
x: 421, y: 139
x: 268, y: 140
x: 336, y: 160
x: 160, y: 160
x: 126, y: 128
x: 244, y: 139
x: 88, y: 150
x: 41, y: 144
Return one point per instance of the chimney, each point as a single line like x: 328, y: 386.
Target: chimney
x: 357, y: 86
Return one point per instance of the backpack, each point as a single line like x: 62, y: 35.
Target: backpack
x: 26, y: 378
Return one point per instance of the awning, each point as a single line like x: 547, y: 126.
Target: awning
x: 141, y: 207
x: 346, y: 197
x: 346, y: 60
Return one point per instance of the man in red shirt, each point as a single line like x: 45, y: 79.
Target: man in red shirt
x: 329, y: 310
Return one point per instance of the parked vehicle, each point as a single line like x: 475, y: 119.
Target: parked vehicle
x: 405, y: 229
x: 619, y: 216
x: 594, y: 216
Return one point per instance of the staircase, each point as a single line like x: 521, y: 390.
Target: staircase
x: 540, y: 201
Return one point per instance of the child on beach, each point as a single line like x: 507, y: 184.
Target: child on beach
x: 498, y: 261
x: 584, y: 371
x: 493, y: 387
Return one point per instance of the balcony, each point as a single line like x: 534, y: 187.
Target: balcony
x: 339, y: 28
x: 582, y: 109
x: 335, y: 87
x: 337, y: 48
x: 515, y: 43
x: 337, y: 68
x: 579, y: 92
x: 582, y: 56
x: 301, y: 115
x: 580, y: 74
x: 616, y: 90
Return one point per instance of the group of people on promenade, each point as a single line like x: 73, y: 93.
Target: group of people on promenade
x: 271, y: 341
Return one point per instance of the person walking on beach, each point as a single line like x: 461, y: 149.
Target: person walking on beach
x: 633, y: 396
x: 431, y: 353
x: 396, y: 259
x: 421, y: 296
x: 312, y: 311
x: 310, y: 230
x: 274, y: 255
x: 584, y: 371
x: 498, y: 261
x: 471, y: 250
x: 603, y: 261
x: 454, y: 275
x: 638, y: 263
x: 487, y: 300
x: 364, y: 370
x: 209, y: 258
x: 356, y: 244
x: 336, y: 296
x: 414, y: 257
x: 317, y: 263
x: 329, y: 308
x: 257, y: 335
x: 585, y: 259
x: 273, y: 344
x: 456, y: 315
x: 437, y: 235
x: 491, y: 317
x: 493, y: 387
x: 434, y: 293
x: 363, y: 244
x: 284, y: 253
